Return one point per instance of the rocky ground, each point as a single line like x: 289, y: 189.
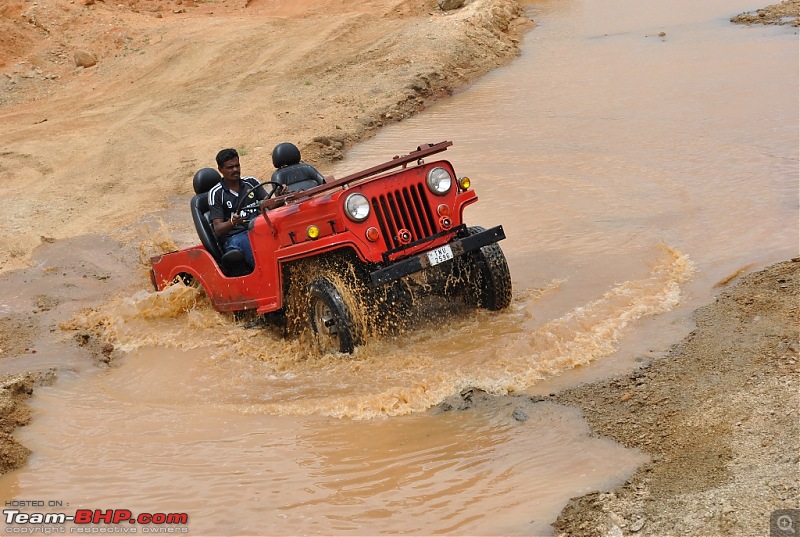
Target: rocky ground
x: 787, y: 12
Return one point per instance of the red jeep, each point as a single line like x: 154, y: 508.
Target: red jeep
x: 344, y: 257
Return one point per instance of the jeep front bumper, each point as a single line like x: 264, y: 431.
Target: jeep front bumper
x: 419, y: 262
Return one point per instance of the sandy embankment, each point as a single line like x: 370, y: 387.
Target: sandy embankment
x: 176, y: 82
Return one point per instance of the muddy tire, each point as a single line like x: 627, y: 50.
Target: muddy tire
x: 330, y: 318
x: 186, y: 279
x: 489, y: 285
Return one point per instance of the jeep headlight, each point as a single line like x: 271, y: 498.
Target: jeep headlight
x: 356, y: 206
x: 439, y: 181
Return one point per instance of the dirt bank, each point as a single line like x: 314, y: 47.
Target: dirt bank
x: 174, y: 82
x: 14, y: 392
x: 718, y: 416
x: 786, y: 12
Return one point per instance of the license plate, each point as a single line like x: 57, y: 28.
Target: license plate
x: 440, y: 254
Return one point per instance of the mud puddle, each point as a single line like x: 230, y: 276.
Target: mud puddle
x: 491, y: 469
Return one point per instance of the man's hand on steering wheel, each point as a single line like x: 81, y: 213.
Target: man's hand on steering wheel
x: 277, y: 189
x: 237, y: 219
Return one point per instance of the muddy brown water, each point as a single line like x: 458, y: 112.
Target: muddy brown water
x: 632, y: 172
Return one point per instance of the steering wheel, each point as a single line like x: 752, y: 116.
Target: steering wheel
x: 276, y: 187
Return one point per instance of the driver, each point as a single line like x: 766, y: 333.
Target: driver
x: 230, y: 225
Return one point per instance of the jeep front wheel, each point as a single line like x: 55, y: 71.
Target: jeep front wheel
x: 490, y: 282
x: 330, y: 318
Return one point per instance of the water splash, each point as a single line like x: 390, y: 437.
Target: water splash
x: 408, y: 372
x: 587, y: 333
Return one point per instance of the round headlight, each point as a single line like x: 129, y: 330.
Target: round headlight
x: 439, y: 181
x: 356, y: 206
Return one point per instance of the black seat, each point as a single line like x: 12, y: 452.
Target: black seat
x: 232, y: 263
x: 292, y: 173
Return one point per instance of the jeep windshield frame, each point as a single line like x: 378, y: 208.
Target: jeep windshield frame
x: 421, y: 152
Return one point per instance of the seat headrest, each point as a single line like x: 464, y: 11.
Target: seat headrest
x: 204, y: 179
x: 285, y: 154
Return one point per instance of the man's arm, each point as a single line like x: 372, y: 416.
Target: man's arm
x: 222, y: 227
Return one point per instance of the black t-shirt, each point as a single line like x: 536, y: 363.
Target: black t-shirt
x: 222, y: 201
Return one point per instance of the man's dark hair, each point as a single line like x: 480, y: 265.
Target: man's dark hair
x: 225, y: 155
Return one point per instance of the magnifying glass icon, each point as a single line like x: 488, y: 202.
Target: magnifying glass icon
x: 785, y: 524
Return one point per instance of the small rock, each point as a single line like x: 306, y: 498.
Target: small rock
x: 616, y: 519
x: 108, y: 348
x: 626, y: 396
x: 441, y: 408
x: 637, y: 525
x: 448, y: 5
x: 84, y: 59
x: 519, y: 414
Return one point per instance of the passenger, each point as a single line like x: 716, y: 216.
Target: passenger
x: 223, y: 199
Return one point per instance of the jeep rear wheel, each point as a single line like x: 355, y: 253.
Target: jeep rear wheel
x: 490, y: 281
x: 330, y: 318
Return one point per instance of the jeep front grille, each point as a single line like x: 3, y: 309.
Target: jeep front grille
x: 405, y: 208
